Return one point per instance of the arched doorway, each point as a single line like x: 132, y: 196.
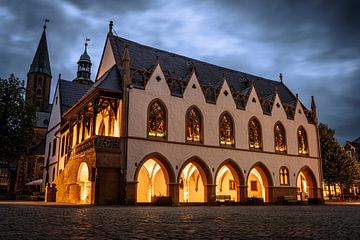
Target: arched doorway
x: 259, y: 181
x: 152, y: 181
x: 229, y: 178
x: 84, y: 183
x: 306, y: 184
x: 193, y: 181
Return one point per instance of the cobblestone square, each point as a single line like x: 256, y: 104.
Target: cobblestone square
x: 203, y: 222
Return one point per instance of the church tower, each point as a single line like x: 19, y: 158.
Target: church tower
x: 84, y: 68
x: 39, y: 77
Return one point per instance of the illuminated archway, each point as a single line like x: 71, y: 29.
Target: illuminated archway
x: 259, y: 180
x: 306, y: 184
x: 193, y: 180
x: 153, y: 176
x: 84, y: 183
x: 229, y: 178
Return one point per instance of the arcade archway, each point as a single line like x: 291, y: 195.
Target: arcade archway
x: 259, y: 180
x: 229, y: 178
x: 193, y: 181
x: 306, y: 184
x: 84, y: 183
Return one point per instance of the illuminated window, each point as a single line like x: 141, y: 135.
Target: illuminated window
x: 111, y: 122
x: 280, y: 138
x: 193, y: 125
x: 255, y: 141
x: 284, y: 176
x: 253, y: 185
x: 231, y: 185
x: 226, y: 130
x: 302, y: 141
x: 156, y: 120
x: 102, y: 129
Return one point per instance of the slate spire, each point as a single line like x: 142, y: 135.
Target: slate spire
x: 41, y: 63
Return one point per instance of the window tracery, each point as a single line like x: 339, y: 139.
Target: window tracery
x: 284, y: 176
x: 302, y: 141
x: 280, y: 138
x: 156, y: 120
x: 255, y: 141
x: 226, y: 130
x: 193, y: 125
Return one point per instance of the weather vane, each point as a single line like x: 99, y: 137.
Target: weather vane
x: 46, y: 20
x: 86, y: 42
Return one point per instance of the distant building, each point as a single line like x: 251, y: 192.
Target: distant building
x: 353, y: 148
x: 156, y: 124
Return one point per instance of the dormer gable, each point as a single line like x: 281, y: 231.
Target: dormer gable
x: 277, y: 108
x: 225, y: 98
x: 157, y: 82
x: 193, y: 90
x: 107, y: 59
x: 253, y: 104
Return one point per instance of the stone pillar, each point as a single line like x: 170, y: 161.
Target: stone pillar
x: 50, y: 193
x: 131, y: 189
x: 210, y: 193
x: 243, y: 193
x: 174, y: 193
x: 269, y: 194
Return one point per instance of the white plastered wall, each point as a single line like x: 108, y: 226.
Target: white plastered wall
x: 177, y: 154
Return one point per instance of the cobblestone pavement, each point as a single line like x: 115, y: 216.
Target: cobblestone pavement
x: 236, y: 222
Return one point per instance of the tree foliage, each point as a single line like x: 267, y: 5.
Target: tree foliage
x: 17, y: 120
x: 338, y: 166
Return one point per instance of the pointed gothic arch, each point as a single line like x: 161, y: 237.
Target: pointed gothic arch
x: 157, y: 119
x: 255, y: 134
x: 306, y: 183
x: 194, y: 125
x: 194, y: 179
x: 280, y: 138
x: 226, y: 130
x: 260, y: 176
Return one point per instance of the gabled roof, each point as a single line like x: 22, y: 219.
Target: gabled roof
x: 70, y: 93
x: 178, y: 69
x: 355, y: 143
x: 41, y: 61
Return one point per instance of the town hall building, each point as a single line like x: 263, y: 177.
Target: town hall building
x: 155, y: 124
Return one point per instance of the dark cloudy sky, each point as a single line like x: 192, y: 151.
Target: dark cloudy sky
x: 315, y: 44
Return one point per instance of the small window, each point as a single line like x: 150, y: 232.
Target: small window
x: 62, y: 146
x: 253, y: 185
x: 284, y: 176
x: 54, y: 147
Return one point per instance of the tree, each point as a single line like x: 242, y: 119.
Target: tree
x: 338, y: 166
x: 17, y: 120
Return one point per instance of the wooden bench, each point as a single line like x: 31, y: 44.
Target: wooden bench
x: 289, y: 199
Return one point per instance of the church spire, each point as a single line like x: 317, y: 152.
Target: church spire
x: 41, y: 63
x: 39, y: 76
x: 84, y: 67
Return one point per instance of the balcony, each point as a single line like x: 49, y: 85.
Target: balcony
x: 99, y: 144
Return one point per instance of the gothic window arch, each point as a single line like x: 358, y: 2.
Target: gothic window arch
x: 255, y: 137
x: 102, y: 129
x: 302, y: 141
x: 280, y: 138
x: 194, y: 125
x: 111, y: 122
x: 226, y: 129
x: 157, y: 119
x: 284, y: 176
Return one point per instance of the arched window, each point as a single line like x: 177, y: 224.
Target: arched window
x: 226, y: 130
x: 193, y: 125
x: 156, y: 119
x: 284, y: 176
x: 255, y: 141
x: 102, y: 129
x: 111, y: 122
x: 302, y: 141
x: 279, y: 137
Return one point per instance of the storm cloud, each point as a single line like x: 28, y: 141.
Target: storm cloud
x: 315, y: 44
